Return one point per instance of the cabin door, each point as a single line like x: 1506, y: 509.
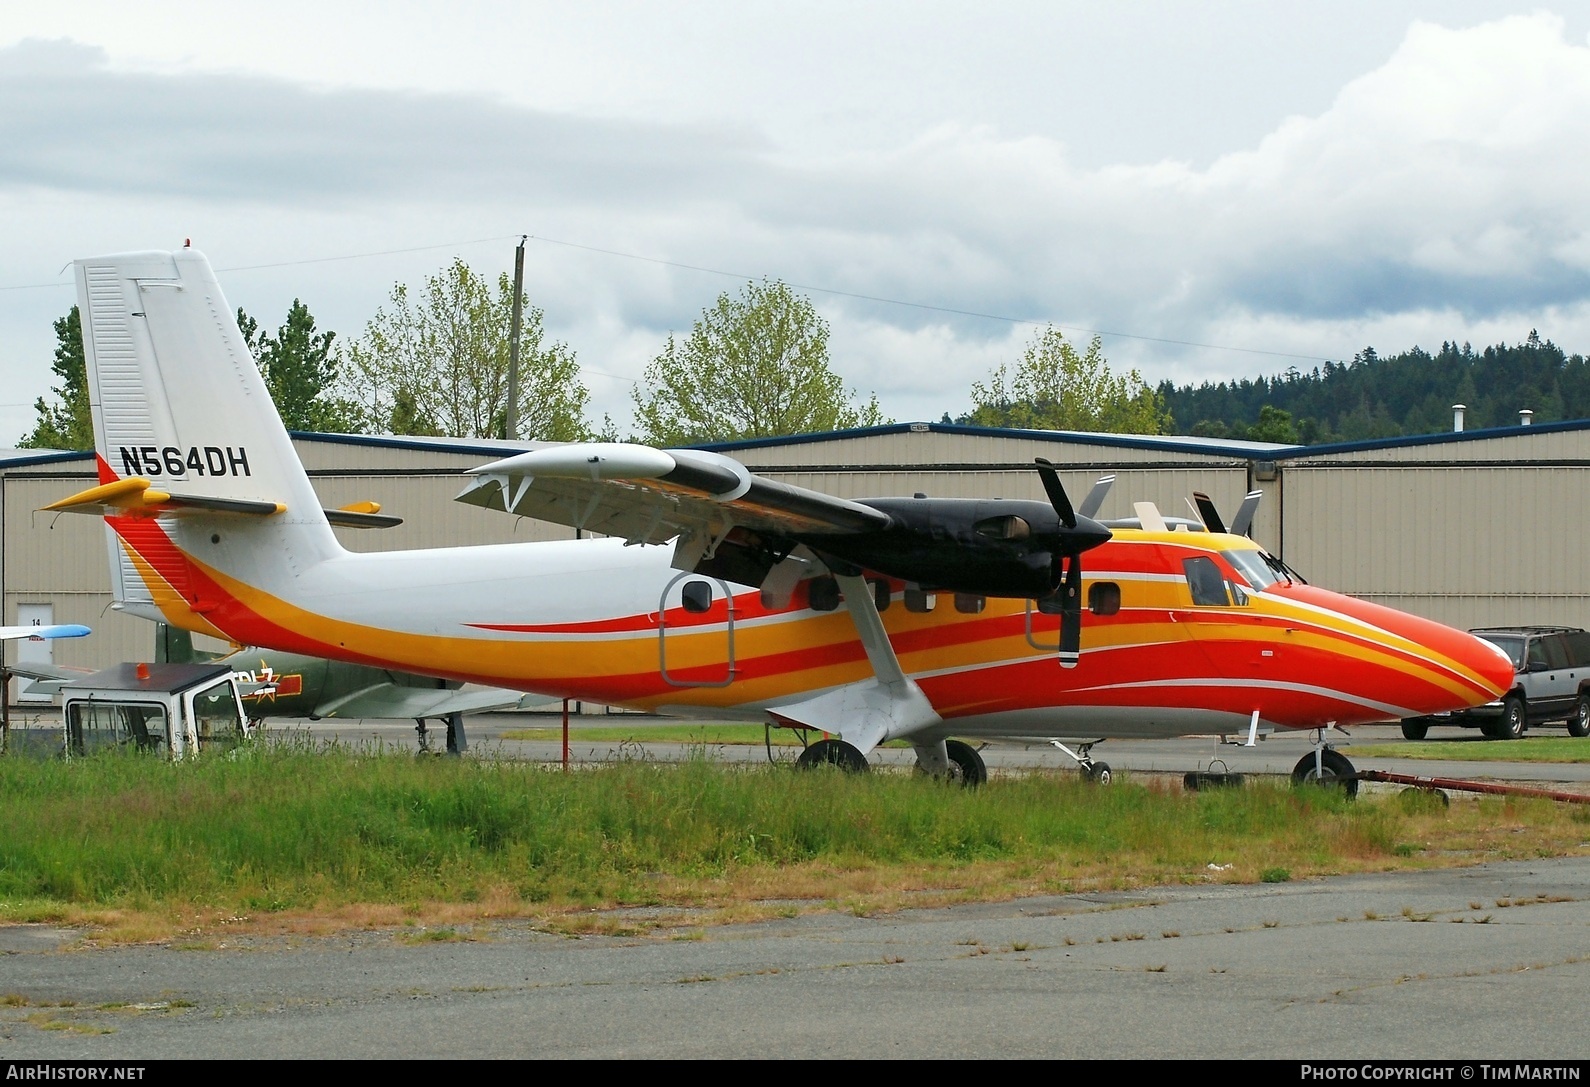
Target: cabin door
x: 695, y: 632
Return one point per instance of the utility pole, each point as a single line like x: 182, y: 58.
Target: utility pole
x: 511, y: 426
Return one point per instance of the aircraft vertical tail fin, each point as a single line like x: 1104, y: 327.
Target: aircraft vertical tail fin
x: 179, y: 405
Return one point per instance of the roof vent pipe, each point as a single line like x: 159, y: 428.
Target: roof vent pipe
x: 1457, y: 417
x: 1525, y: 416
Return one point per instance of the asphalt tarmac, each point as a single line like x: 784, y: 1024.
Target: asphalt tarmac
x: 1276, y: 754
x: 1485, y: 963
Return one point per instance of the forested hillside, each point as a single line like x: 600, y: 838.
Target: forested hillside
x: 1374, y: 397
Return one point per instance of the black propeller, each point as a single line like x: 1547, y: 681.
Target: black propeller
x: 1210, y: 516
x: 1078, y: 534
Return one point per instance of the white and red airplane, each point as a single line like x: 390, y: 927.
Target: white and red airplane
x: 718, y: 593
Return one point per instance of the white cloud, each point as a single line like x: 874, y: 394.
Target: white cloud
x: 1437, y: 196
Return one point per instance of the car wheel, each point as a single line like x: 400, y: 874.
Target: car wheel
x: 1415, y: 729
x: 1579, y: 720
x: 1511, y: 724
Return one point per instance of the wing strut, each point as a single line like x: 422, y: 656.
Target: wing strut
x: 865, y: 714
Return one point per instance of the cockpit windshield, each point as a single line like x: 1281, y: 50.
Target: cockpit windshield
x: 1252, y: 567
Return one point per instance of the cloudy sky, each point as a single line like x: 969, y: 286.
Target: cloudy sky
x: 1224, y: 189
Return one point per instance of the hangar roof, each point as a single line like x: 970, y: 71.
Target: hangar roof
x: 1575, y: 431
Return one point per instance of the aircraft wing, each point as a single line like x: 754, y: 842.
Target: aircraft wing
x: 389, y: 700
x: 47, y: 678
x: 646, y: 495
x: 58, y: 630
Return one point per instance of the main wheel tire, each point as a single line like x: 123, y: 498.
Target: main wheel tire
x: 969, y: 765
x: 834, y: 753
x: 1332, y: 769
x: 1514, y: 719
x: 1099, y: 773
x: 1579, y: 719
x: 1415, y: 729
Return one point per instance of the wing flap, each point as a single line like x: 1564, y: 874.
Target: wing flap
x: 388, y: 700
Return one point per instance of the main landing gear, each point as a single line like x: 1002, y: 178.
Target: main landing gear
x: 1092, y: 770
x: 1329, y: 767
x: 457, y: 744
x: 834, y: 753
x: 957, y: 762
x: 951, y: 760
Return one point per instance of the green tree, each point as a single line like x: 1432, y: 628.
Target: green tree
x: 68, y: 423
x: 755, y: 366
x: 1054, y: 387
x: 300, y: 372
x: 1274, y: 425
x: 436, y: 362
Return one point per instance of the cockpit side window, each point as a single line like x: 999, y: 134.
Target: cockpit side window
x: 1208, y: 584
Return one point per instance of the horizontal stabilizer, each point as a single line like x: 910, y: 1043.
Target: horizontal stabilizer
x: 137, y: 497
x: 359, y: 518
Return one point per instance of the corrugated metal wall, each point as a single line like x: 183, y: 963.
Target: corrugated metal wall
x: 1470, y: 545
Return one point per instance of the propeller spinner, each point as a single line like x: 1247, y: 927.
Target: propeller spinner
x: 1078, y: 533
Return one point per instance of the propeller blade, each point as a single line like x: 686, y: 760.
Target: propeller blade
x: 1243, y: 525
x: 1071, y: 614
x: 1095, y: 499
x: 1207, y: 513
x: 1057, y: 493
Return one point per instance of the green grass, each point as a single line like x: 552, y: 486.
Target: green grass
x: 1528, y: 749
x: 288, y: 830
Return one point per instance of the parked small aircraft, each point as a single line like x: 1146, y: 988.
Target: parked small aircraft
x: 719, y: 593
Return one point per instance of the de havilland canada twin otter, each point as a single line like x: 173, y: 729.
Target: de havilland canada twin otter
x: 715, y: 593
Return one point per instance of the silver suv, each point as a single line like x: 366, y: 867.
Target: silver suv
x: 1552, y: 684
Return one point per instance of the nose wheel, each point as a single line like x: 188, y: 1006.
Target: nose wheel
x: 1092, y: 769
x: 1329, y: 767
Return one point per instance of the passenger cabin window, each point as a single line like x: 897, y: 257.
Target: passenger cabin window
x: 696, y: 597
x: 1207, y: 583
x: 881, y: 595
x: 969, y: 603
x: 823, y: 595
x: 919, y: 600
x: 1104, y: 598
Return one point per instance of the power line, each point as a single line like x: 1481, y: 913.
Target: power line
x: 935, y: 309
x: 833, y: 291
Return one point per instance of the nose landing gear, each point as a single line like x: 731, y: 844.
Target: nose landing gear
x: 1326, y: 766
x: 1092, y: 770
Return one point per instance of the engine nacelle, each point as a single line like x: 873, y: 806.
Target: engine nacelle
x: 988, y: 547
